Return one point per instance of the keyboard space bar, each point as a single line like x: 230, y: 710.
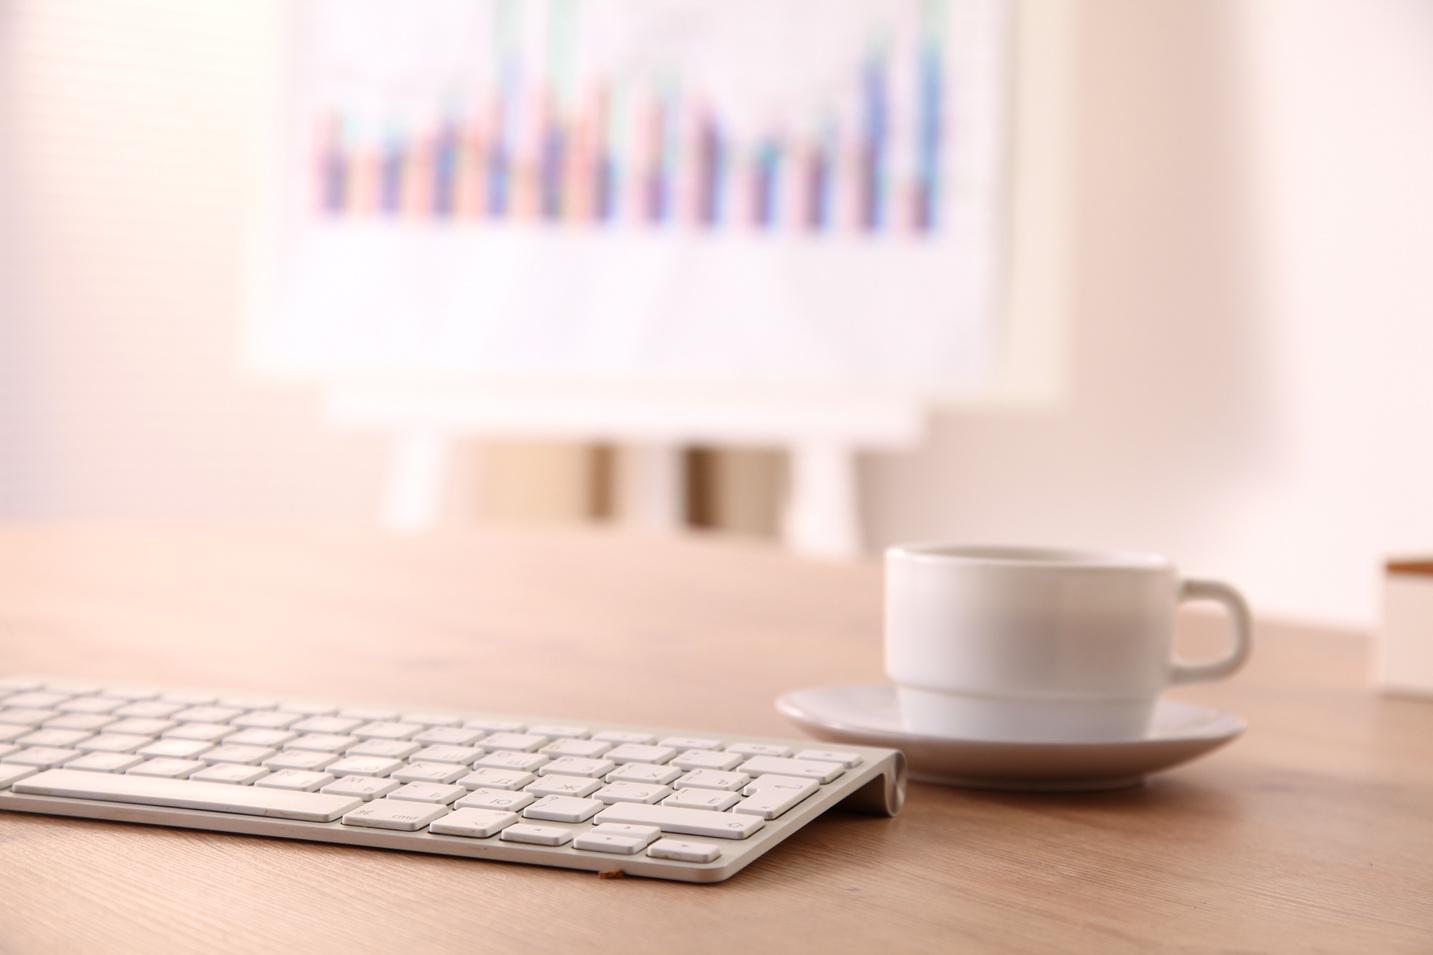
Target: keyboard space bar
x: 187, y: 794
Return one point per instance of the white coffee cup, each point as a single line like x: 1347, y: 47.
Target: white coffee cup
x: 1038, y: 644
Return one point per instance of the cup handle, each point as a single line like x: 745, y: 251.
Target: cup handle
x: 1182, y: 672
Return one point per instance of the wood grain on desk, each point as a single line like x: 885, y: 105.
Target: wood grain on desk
x: 1314, y: 832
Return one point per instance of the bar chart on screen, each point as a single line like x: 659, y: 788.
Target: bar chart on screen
x: 727, y: 191
x: 605, y: 139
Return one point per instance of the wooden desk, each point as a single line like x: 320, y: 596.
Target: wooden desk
x: 1312, y: 833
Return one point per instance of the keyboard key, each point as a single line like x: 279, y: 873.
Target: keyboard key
x: 462, y: 755
x: 770, y: 796
x: 683, y: 743
x: 831, y: 756
x: 26, y: 716
x: 648, y: 834
x: 638, y: 753
x: 245, y: 702
x: 9, y: 732
x: 561, y: 732
x: 19, y: 684
x: 430, y: 773
x: 758, y: 749
x: 89, y: 704
x: 489, y: 778
x: 708, y: 759
x: 512, y: 742
x: 364, y: 766
x: 494, y: 725
x: 622, y: 736
x: 297, y: 780
x: 805, y: 768
x: 149, y: 710
x: 165, y: 768
x: 329, y: 743
x: 577, y: 766
x: 104, y: 762
x: 433, y: 719
x: 361, y: 787
x: 308, y: 708
x: 189, y: 697
x: 307, y: 760
x: 72, y: 687
x: 448, y: 736
x: 369, y: 714
x: 36, y: 700
x: 527, y: 762
x: 7, y: 748
x: 473, y: 822
x: 90, y: 722
x: 716, y: 800
x: 208, y: 714
x: 644, y: 773
x: 563, y: 786
x: 385, y: 748
x: 266, y: 720
x: 174, y: 749
x: 786, y: 783
x: 632, y: 792
x: 536, y: 835
x: 428, y: 792
x: 64, y: 739
x: 207, y: 732
x: 234, y: 753
x: 326, y: 725
x: 270, y: 738
x: 10, y: 773
x: 711, y: 779
x: 621, y: 842
x: 188, y: 794
x: 385, y: 729
x: 684, y: 851
x: 692, y: 822
x: 235, y: 774
x: 41, y: 757
x: 497, y: 799
x: 132, y: 694
x: 141, y: 726
x: 395, y: 814
x: 583, y: 748
x: 562, y: 809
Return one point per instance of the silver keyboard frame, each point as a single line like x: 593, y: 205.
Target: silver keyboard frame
x: 877, y: 786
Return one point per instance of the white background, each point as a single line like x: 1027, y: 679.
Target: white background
x: 1250, y: 386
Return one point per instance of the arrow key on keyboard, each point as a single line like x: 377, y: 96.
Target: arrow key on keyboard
x: 683, y: 851
x: 475, y: 823
x: 537, y: 835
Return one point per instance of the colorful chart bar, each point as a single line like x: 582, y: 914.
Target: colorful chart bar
x: 538, y: 148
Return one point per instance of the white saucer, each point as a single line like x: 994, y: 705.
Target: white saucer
x: 869, y: 715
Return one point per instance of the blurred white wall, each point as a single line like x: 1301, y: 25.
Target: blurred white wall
x: 128, y: 159
x: 1251, y: 336
x: 1252, y: 381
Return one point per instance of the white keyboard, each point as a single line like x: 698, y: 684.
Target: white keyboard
x: 672, y: 804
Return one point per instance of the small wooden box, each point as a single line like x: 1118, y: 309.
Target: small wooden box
x: 1405, y: 651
